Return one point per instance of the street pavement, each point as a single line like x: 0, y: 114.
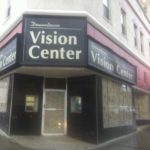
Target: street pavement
x: 7, y: 144
x: 137, y: 141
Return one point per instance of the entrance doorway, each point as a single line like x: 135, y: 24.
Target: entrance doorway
x: 54, y: 112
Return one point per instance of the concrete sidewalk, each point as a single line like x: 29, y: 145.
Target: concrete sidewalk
x: 51, y: 143
x: 138, y: 141
x: 134, y: 141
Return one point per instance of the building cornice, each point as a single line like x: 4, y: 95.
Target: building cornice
x: 99, y: 26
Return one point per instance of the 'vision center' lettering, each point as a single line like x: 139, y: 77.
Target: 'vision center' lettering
x: 36, y: 52
x: 102, y: 59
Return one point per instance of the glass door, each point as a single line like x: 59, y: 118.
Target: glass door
x: 54, y: 112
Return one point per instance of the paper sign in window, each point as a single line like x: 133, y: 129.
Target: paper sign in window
x: 31, y: 103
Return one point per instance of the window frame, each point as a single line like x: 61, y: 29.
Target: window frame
x: 135, y: 35
x: 8, y: 10
x: 123, y: 22
x: 145, y: 77
x: 106, y: 9
x: 141, y: 43
x: 149, y: 48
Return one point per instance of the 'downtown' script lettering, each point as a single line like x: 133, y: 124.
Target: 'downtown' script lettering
x: 55, y: 39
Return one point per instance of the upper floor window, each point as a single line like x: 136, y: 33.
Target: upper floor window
x: 149, y: 48
x: 135, y: 35
x: 141, y: 43
x: 8, y: 8
x: 106, y: 10
x: 145, y: 77
x: 123, y: 22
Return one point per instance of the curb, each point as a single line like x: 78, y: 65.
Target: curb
x: 139, y: 129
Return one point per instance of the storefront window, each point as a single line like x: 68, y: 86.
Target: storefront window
x: 117, y: 104
x: 123, y: 87
x: 76, y: 104
x: 142, y: 106
x: 31, y: 103
x: 4, y: 87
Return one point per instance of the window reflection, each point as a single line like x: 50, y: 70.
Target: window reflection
x: 117, y: 104
x: 76, y: 104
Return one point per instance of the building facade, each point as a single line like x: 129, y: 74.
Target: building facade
x: 145, y: 4
x: 74, y: 68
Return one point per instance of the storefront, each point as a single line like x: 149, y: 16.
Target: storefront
x: 58, y: 81
x: 142, y: 106
x: 115, y: 94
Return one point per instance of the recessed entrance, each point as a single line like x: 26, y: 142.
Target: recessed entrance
x: 54, y: 112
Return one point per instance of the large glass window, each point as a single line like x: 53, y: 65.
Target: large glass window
x: 4, y: 87
x: 117, y: 104
x: 142, y: 104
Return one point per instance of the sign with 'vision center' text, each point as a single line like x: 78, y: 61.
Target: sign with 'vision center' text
x: 54, y: 41
x: 8, y: 55
x: 101, y: 58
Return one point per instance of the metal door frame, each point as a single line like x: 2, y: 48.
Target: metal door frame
x: 65, y: 112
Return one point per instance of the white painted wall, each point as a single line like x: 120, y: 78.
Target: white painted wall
x: 94, y: 8
x: 17, y: 9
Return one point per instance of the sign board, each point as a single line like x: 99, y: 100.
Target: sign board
x: 8, y: 55
x: 104, y: 60
x: 54, y: 41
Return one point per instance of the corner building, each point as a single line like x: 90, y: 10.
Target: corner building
x: 61, y: 74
